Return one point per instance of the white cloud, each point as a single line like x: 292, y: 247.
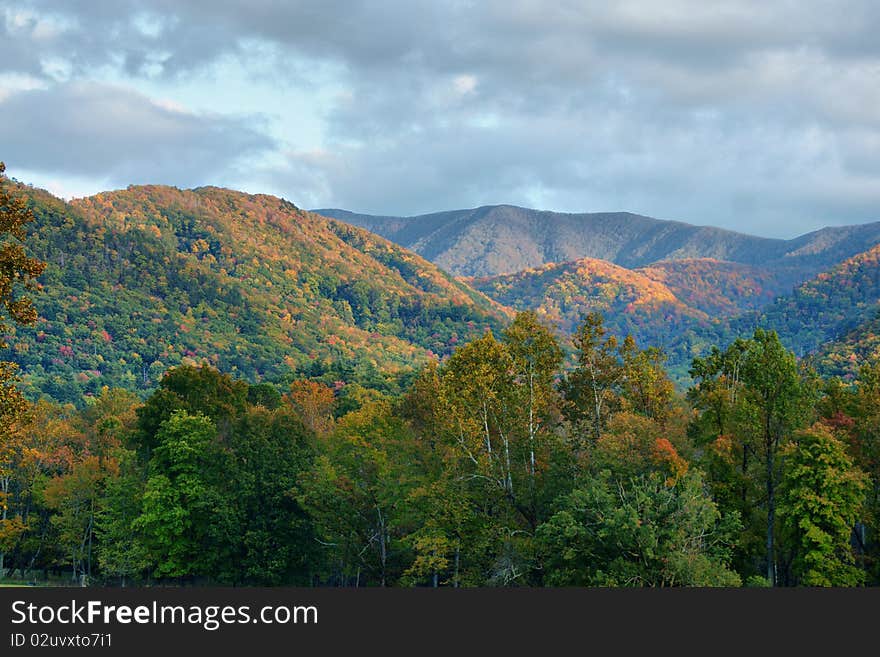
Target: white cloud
x: 750, y: 114
x: 116, y: 134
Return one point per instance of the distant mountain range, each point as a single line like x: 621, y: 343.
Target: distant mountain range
x: 149, y: 277
x: 504, y: 239
x: 670, y: 284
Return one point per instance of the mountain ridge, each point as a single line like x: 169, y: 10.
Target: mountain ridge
x: 504, y: 239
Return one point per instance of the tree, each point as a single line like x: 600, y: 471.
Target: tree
x: 267, y: 532
x: 865, y: 449
x: 120, y: 549
x: 357, y: 494
x: 822, y: 496
x: 476, y: 387
x: 314, y: 402
x: 75, y: 497
x: 592, y: 389
x: 535, y: 357
x: 178, y: 499
x: 197, y: 390
x: 17, y: 272
x: 646, y: 386
x: 753, y: 396
x: 641, y: 532
x: 778, y: 403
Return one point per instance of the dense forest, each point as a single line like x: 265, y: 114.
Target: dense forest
x: 502, y: 463
x: 492, y: 468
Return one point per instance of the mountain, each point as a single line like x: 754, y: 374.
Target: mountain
x: 562, y: 294
x: 686, y: 306
x: 148, y: 277
x: 839, y: 304
x: 699, y: 287
x: 502, y: 239
x: 719, y: 288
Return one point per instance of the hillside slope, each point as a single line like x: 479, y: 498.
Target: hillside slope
x: 148, y: 277
x: 846, y: 355
x: 631, y: 301
x: 823, y: 309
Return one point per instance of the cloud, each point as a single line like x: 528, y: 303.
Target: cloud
x: 96, y: 129
x: 753, y: 115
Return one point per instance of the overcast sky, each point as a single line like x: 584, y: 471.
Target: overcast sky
x: 758, y: 116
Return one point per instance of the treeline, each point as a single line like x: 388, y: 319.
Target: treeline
x: 498, y: 466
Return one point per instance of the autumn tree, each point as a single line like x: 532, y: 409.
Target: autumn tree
x: 75, y: 497
x: 314, y: 402
x: 646, y: 385
x: 18, y: 274
x: 18, y: 271
x: 477, y: 387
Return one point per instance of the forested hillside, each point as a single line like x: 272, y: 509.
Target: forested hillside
x: 146, y: 278
x: 562, y: 295
x: 685, y: 306
x: 845, y: 355
x: 722, y: 288
x: 838, y: 305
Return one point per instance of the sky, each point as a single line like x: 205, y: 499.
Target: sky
x: 757, y: 116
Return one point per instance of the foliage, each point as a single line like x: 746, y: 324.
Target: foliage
x: 148, y: 278
x: 641, y: 532
x: 822, y: 498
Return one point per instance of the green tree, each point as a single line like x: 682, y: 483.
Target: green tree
x: 646, y: 386
x: 358, y: 492
x: 778, y: 402
x: 865, y: 447
x: 178, y: 499
x: 592, y: 389
x: 195, y: 390
x: 269, y: 534
x: 822, y: 496
x: 640, y: 532
x: 752, y: 398
x: 535, y: 356
x: 121, y: 549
